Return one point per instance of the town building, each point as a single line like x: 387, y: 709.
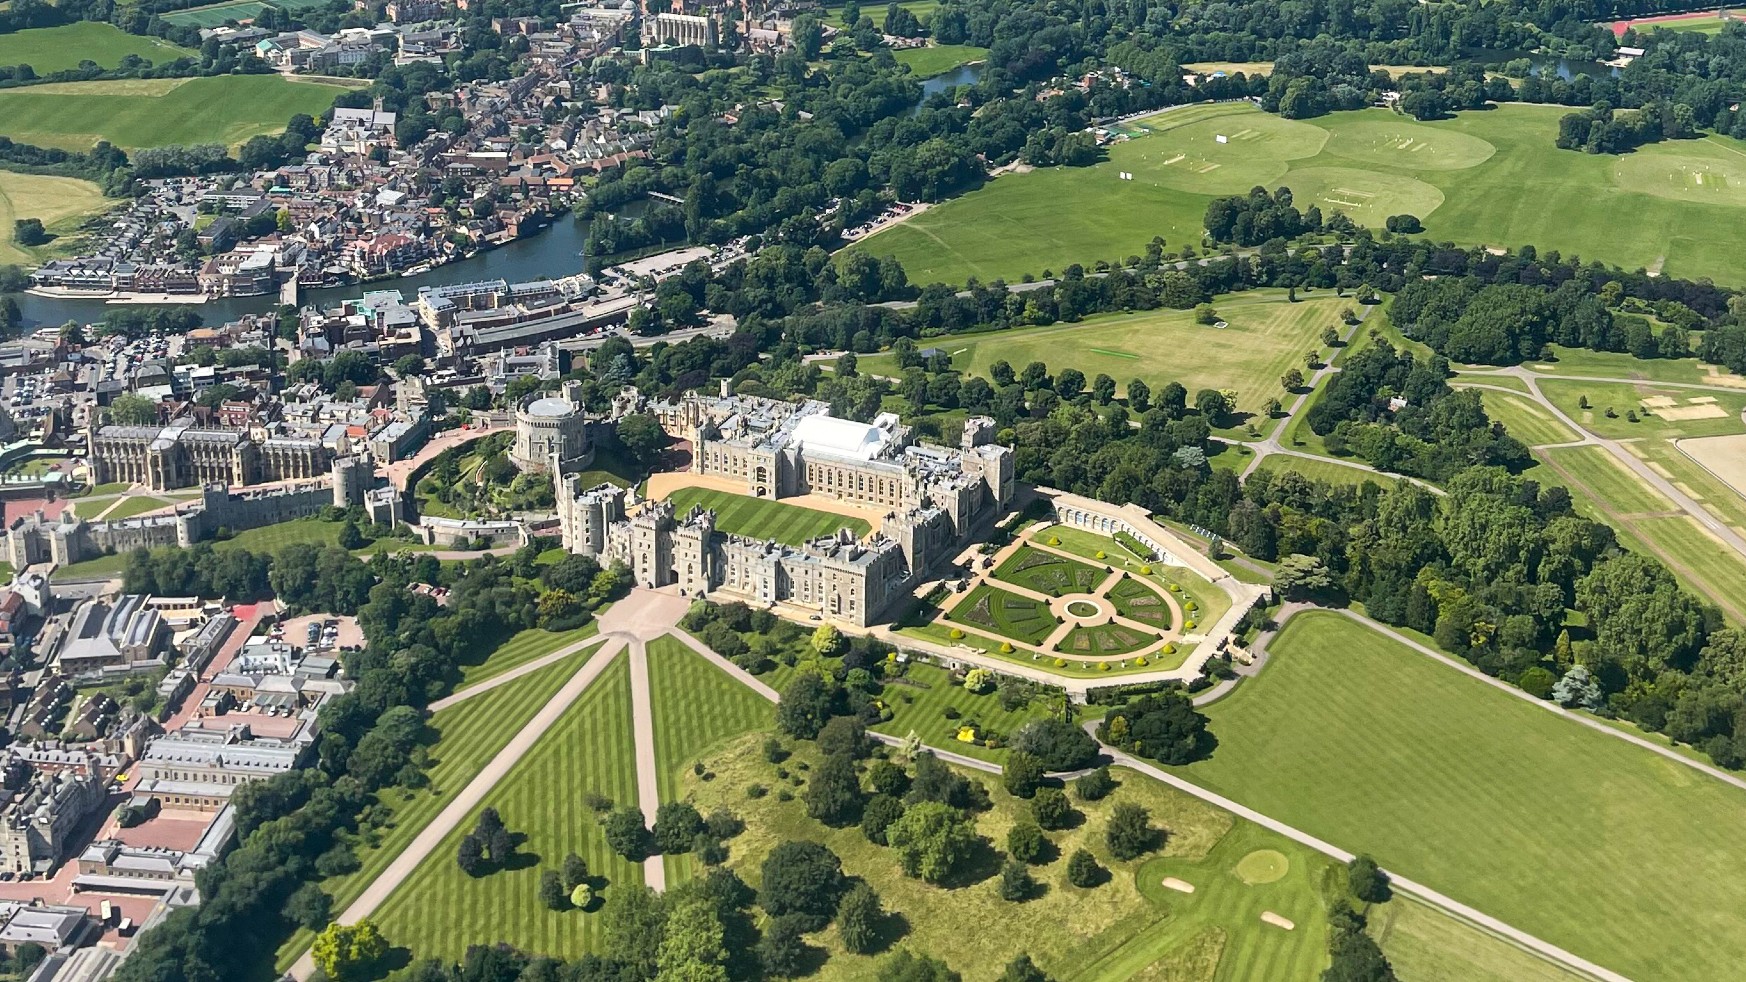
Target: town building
x: 39, y: 812
x: 126, y: 632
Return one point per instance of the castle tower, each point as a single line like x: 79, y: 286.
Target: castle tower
x: 692, y: 566
x: 351, y: 480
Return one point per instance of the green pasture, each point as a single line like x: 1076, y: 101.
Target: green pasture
x: 468, y: 735
x: 439, y: 911
x: 54, y: 49
x: 833, y: 12
x: 1426, y: 945
x: 1688, y: 475
x: 1046, y: 572
x: 1265, y: 335
x: 1585, y: 841
x: 134, y: 505
x: 1491, y: 178
x: 762, y: 518
x: 938, y: 59
x: 1624, y: 367
x: 134, y: 113
x: 525, y: 646
x: 62, y: 203
x: 1320, y: 470
x: 1606, y: 478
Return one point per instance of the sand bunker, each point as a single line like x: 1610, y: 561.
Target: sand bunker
x: 1706, y: 411
x: 1180, y: 886
x: 1660, y: 402
x: 1269, y: 917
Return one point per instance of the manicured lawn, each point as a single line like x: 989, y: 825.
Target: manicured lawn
x: 1615, y: 364
x: 215, y: 14
x: 62, y: 203
x: 1265, y: 337
x: 762, y: 518
x: 1048, y: 573
x: 135, y: 113
x: 53, y: 49
x: 833, y: 12
x: 1373, y: 747
x: 272, y: 538
x: 920, y: 698
x: 98, y: 566
x: 1607, y: 478
x: 1693, y: 412
x: 129, y: 507
x: 1008, y: 614
x: 468, y: 735
x: 1138, y: 602
x: 529, y: 645
x: 1525, y: 419
x: 439, y: 911
x: 698, y: 707
x: 1426, y: 945
x: 938, y: 59
x: 1492, y: 178
x: 1105, y: 639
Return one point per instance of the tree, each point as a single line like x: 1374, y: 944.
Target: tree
x: 552, y: 892
x: 677, y: 825
x: 471, y: 855
x: 1025, y: 841
x: 1577, y: 688
x: 1060, y: 745
x: 1292, y: 380
x: 1211, y: 404
x: 129, y: 409
x: 1139, y: 396
x: 1163, y: 726
x: 627, y: 834
x: 877, y: 815
x: 1094, y: 786
x: 845, y: 736
x: 29, y: 232
x: 1022, y: 969
x: 782, y: 949
x: 347, y: 952
x: 931, y: 839
x: 635, y: 925
x: 308, y: 906
x: 805, y: 706
x: 1023, y: 774
x: 803, y: 878
x: 827, y: 641
x: 1016, y: 882
x: 575, y: 871
x: 1301, y: 576
x: 1051, y: 810
x: 693, y: 947
x: 858, y: 918
x: 833, y: 796
x: 1367, y: 880
x: 1103, y: 389
x: 1083, y: 870
x: 350, y: 538
x: 642, y: 437
x: 1130, y: 834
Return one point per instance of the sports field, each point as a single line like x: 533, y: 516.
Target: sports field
x: 213, y: 15
x: 53, y: 49
x: 1265, y: 335
x: 136, y: 113
x: 1575, y: 837
x: 762, y: 518
x: 63, y: 203
x: 1492, y: 178
x: 468, y: 735
x: 938, y: 59
x: 439, y: 911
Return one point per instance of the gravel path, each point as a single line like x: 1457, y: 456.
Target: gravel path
x: 510, y: 676
x: 648, y: 767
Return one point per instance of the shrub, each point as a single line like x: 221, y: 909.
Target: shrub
x: 1006, y: 647
x: 1130, y: 834
x: 1537, y: 682
x: 1060, y: 663
x: 1051, y: 809
x: 957, y: 634
x: 582, y: 898
x: 1026, y: 842
x: 757, y: 791
x: 1083, y: 870
x: 1094, y: 786
x: 1367, y: 881
x: 1016, y: 882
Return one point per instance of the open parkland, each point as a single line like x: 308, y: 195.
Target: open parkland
x: 1488, y: 178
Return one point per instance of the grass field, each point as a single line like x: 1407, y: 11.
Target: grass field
x: 762, y: 518
x: 833, y: 13
x: 1492, y: 178
x: 440, y: 910
x: 1424, y: 945
x: 1360, y: 741
x: 529, y: 645
x: 1525, y: 419
x: 62, y: 203
x: 53, y: 49
x: 135, y: 505
x: 698, y: 708
x: 1693, y: 412
x: 1320, y: 470
x: 215, y: 14
x: 468, y: 735
x: 1265, y: 337
x: 138, y: 113
x: 1607, y: 478
x: 938, y: 59
x: 919, y: 701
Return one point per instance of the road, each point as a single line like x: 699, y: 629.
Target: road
x: 462, y: 695
x: 419, y: 850
x: 648, y: 765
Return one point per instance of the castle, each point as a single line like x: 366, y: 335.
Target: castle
x: 933, y: 497
x: 164, y: 458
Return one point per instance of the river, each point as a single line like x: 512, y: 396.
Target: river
x: 555, y: 252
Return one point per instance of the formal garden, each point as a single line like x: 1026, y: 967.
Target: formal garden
x: 1049, y: 573
x: 1005, y: 613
